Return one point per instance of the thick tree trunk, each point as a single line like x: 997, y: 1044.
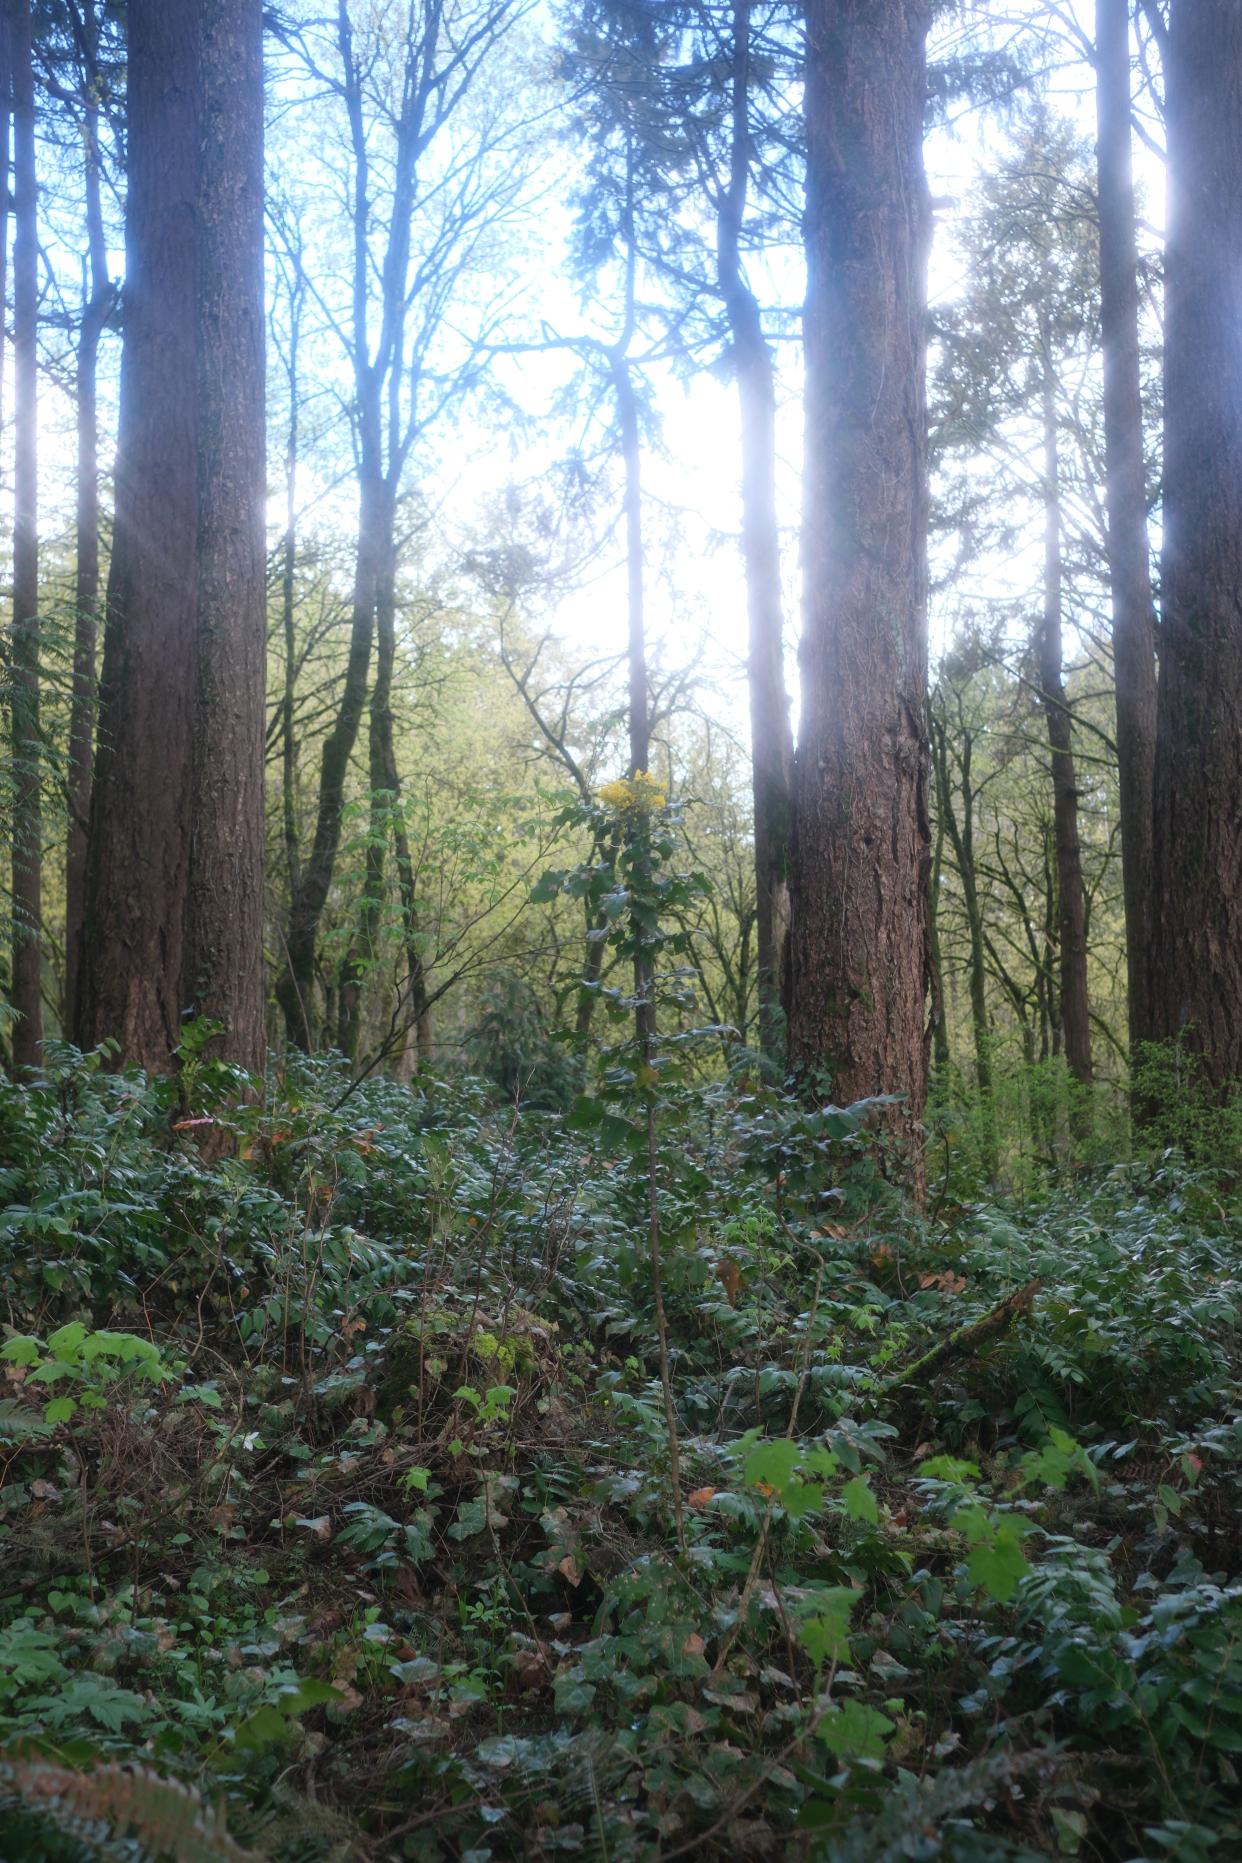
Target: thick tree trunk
x: 95, y: 312
x: 858, y: 956
x: 174, y: 861
x: 224, y: 973
x: 1070, y: 892
x: 1196, y: 952
x: 139, y: 847
x: 1129, y: 561
x: 770, y: 732
x: 27, y: 980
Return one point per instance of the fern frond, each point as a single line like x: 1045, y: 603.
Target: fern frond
x: 111, y: 1801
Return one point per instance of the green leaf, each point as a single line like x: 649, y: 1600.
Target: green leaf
x: 855, y: 1731
x: 66, y: 1340
x: 773, y: 1464
x: 59, y: 1410
x: 824, y: 1631
x: 998, y: 1565
x: 859, y: 1501
x: 22, y: 1350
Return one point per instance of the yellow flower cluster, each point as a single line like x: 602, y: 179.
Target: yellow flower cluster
x: 639, y: 794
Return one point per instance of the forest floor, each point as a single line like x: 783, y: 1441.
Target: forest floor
x: 338, y: 1513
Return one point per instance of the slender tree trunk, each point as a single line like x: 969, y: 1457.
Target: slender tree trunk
x: 288, y: 596
x: 1071, y: 895
x: 1196, y: 951
x: 942, y: 1058
x: 296, y: 987
x: 224, y: 972
x: 95, y: 311
x: 27, y: 982
x: 384, y: 785
x: 858, y: 948
x: 639, y: 713
x: 770, y: 731
x: 962, y: 835
x: 1129, y: 560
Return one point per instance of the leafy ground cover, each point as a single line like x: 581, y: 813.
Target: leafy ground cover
x: 339, y: 1515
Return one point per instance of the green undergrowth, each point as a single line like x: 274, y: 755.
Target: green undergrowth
x: 337, y: 1512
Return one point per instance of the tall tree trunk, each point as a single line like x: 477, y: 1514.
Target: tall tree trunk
x: 295, y: 989
x: 95, y: 310
x: 6, y: 113
x: 942, y: 1058
x: 1070, y: 893
x: 174, y: 860
x: 1196, y: 950
x: 139, y: 844
x: 288, y: 588
x: 1129, y: 563
x: 224, y: 969
x: 962, y: 835
x: 639, y: 709
x: 27, y: 981
x: 770, y: 732
x: 858, y: 956
x: 384, y: 785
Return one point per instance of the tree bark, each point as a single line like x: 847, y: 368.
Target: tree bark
x: 96, y: 308
x: 295, y: 989
x: 139, y: 843
x: 1070, y: 892
x: 27, y: 979
x: 770, y: 731
x: 639, y: 712
x: 385, y: 786
x: 962, y: 836
x: 224, y: 973
x: 1196, y: 951
x: 174, y: 859
x: 858, y: 948
x: 1129, y: 561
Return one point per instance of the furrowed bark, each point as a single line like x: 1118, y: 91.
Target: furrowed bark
x: 1196, y: 947
x: 858, y: 948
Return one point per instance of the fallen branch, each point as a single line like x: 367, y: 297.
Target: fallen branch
x: 964, y: 1341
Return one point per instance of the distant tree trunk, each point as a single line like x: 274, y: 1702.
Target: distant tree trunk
x: 636, y: 636
x: 384, y: 785
x: 1129, y: 561
x: 942, y: 1058
x: 770, y: 731
x: 295, y: 989
x: 1196, y: 952
x: 858, y: 948
x: 224, y: 969
x: 27, y: 981
x: 288, y: 586
x: 96, y: 307
x: 1070, y: 893
x: 962, y: 835
x: 174, y: 860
